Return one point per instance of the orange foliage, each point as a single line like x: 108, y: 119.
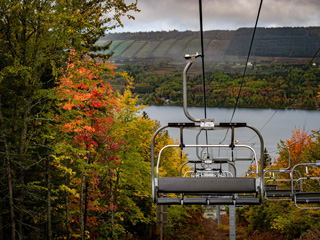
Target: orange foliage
x: 298, y: 143
x: 84, y: 92
x: 88, y: 107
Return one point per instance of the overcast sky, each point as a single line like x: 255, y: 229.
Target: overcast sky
x: 158, y: 15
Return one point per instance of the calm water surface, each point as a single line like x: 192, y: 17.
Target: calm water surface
x: 274, y: 125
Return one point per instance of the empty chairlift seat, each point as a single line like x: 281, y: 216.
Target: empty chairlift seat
x: 282, y: 190
x: 306, y: 199
x: 272, y: 191
x: 210, y: 189
x: 213, y: 190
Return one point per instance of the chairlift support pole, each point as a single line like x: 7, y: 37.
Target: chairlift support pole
x: 232, y: 208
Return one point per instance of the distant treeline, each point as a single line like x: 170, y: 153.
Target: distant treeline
x: 219, y: 45
x: 165, y: 35
x: 264, y: 87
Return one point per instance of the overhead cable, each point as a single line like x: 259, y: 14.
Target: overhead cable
x: 202, y: 59
x: 245, y: 68
x: 248, y: 56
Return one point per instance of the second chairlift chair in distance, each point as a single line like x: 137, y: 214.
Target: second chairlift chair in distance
x: 208, y: 189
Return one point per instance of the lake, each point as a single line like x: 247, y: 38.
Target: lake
x: 274, y: 125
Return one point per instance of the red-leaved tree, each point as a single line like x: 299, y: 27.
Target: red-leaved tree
x: 87, y: 148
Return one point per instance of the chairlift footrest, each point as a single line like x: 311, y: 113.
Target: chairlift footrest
x: 195, y: 201
x: 278, y: 193
x: 307, y: 197
x: 270, y: 187
x: 221, y: 201
x: 168, y: 201
x: 248, y: 201
x: 209, y: 201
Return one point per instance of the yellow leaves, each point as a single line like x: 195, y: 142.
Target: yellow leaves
x: 58, y: 163
x: 72, y: 191
x: 37, y: 185
x: 141, y: 194
x: 66, y: 170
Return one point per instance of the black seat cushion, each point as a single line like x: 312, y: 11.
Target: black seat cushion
x: 206, y: 185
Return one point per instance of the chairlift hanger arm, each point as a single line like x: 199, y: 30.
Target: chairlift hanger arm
x: 190, y: 59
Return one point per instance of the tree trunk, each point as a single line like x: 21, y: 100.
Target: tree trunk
x: 83, y: 214
x: 111, y: 201
x: 81, y: 210
x: 67, y: 207
x: 11, y: 205
x: 10, y: 185
x: 49, y: 225
x: 21, y: 169
x: 86, y: 207
x: 1, y: 226
x: 112, y: 215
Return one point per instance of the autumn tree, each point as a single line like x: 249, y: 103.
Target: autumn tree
x: 102, y: 155
x: 296, y: 146
x: 88, y: 106
x: 34, y: 38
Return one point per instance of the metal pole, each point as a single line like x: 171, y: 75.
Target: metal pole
x: 218, y: 214
x: 232, y: 222
x: 161, y: 222
x: 232, y: 208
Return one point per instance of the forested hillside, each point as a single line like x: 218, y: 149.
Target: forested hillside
x: 220, y: 46
x: 265, y: 86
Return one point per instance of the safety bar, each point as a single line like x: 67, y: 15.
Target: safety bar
x: 215, y: 172
x: 205, y: 146
x: 199, y: 162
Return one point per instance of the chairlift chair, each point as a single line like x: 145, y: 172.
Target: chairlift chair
x: 278, y: 188
x: 197, y: 189
x: 306, y: 199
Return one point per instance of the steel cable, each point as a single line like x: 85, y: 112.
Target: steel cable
x: 245, y: 68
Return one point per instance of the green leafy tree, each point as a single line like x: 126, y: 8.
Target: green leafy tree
x: 34, y: 38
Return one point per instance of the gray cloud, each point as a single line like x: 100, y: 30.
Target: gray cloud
x: 183, y: 15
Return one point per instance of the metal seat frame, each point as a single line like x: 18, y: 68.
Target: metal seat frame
x: 305, y: 197
x: 280, y: 194
x: 234, y: 192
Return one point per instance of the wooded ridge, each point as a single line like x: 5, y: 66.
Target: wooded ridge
x: 220, y: 45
